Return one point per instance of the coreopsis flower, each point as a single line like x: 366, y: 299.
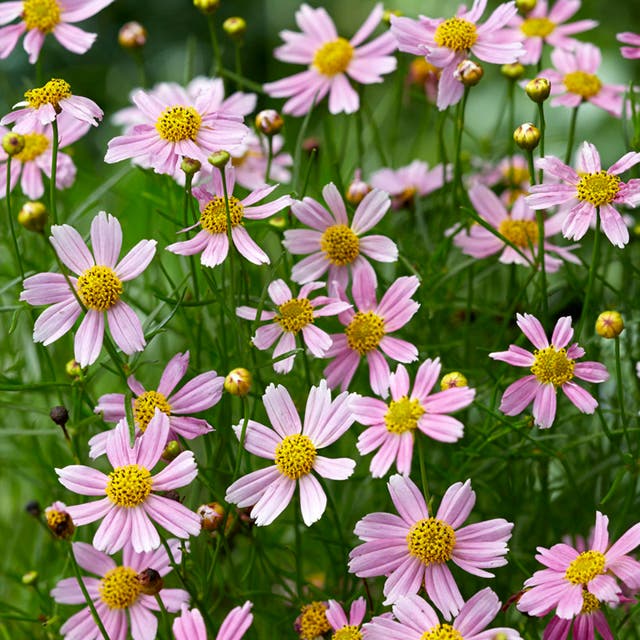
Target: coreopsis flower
x: 199, y: 394
x: 41, y: 17
x: 585, y: 624
x: 190, y: 625
x: 346, y: 628
x: 294, y: 315
x: 251, y: 158
x: 519, y: 226
x: 392, y: 426
x: 570, y: 578
x: 99, y: 286
x: 510, y: 175
x: 335, y: 245
x: 130, y: 503
x: 414, y: 548
x: 588, y: 190
x: 367, y: 332
x: 294, y: 449
x: 59, y: 521
x: 332, y: 60
x: 446, y: 43
x: 553, y: 366
x: 117, y: 593
x: 633, y: 39
x: 425, y: 74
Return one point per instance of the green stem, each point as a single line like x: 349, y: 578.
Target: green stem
x: 54, y: 168
x: 572, y: 133
x: 188, y: 180
x: 542, y: 265
x: 165, y: 615
x: 231, y: 246
x: 216, y: 64
x: 243, y: 433
x: 298, y: 542
x: 542, y: 127
x: 623, y: 413
x: 269, y: 158
x: 423, y: 468
x: 11, y: 223
x: 457, y: 164
x: 238, y: 61
x: 593, y: 268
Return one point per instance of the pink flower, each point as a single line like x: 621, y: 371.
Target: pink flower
x: 585, y: 624
x: 41, y: 17
x: 98, y: 285
x: 294, y: 315
x: 552, y: 366
x: 510, y: 175
x: 334, y: 244
x: 330, y: 59
x: 293, y: 446
x: 339, y: 622
x: 366, y: 332
x: 130, y: 503
x: 392, y: 426
x: 414, y: 548
x: 570, y: 579
x: 212, y: 239
x: 117, y: 594
x: 415, y: 620
x: 588, y: 190
x: 199, y: 394
x: 632, y: 52
x: 190, y: 625
x: 250, y: 162
x: 446, y: 43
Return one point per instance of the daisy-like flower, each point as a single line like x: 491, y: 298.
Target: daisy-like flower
x: 519, y: 226
x: 98, y: 285
x: 334, y: 244
x: 118, y: 594
x: 294, y: 315
x: 633, y: 39
x: 346, y: 628
x: 366, y: 332
x: 41, y: 17
x: 190, y: 625
x: 569, y: 575
x: 212, y: 239
x: 199, y: 394
x: 392, y: 427
x: 590, y: 619
x: 414, y: 547
x: 552, y: 366
x: 446, y: 43
x: 250, y: 162
x: 331, y: 60
x: 293, y: 447
x: 130, y: 501
x: 587, y: 190
x: 510, y: 176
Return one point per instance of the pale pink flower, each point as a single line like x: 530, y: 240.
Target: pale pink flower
x: 552, y: 366
x: 584, y: 624
x: 331, y: 60
x: 627, y: 37
x: 294, y: 315
x: 335, y: 244
x: 190, y: 625
x: 510, y: 175
x: 250, y: 162
x: 588, y: 190
x: 338, y: 618
x: 293, y: 446
x: 41, y: 17
x: 99, y: 286
x: 117, y: 594
x: 392, y: 426
x: 199, y: 394
x: 414, y: 548
x: 130, y: 503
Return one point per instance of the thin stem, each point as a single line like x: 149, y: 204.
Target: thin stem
x: 230, y: 239
x: 269, y: 158
x: 542, y: 265
x: 216, y: 63
x: 623, y: 413
x: 457, y: 165
x: 243, y: 433
x: 572, y: 133
x: 423, y: 468
x: 11, y: 223
x: 542, y: 127
x: 298, y: 542
x: 165, y: 615
x: 188, y: 180
x: 593, y: 268
x: 54, y: 167
x: 238, y: 61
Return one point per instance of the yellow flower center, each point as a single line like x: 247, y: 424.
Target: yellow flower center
x: 442, y: 632
x: 35, y: 144
x: 340, y: 244
x: 365, y: 332
x: 589, y: 603
x: 403, y: 415
x: 214, y: 216
x: 178, y: 123
x: 294, y: 314
x: 431, y: 541
x: 598, y: 188
x: 99, y: 288
x: 584, y: 84
x: 144, y: 407
x: 60, y: 523
x: 522, y: 233
x: 295, y: 456
x: 52, y: 92
x: 552, y: 366
x: 333, y: 57
x: 585, y: 567
x: 349, y: 632
x: 421, y: 70
x: 515, y: 175
x: 119, y: 588
x: 313, y: 621
x: 128, y: 486
x: 540, y: 27
x: 457, y: 34
x: 41, y: 14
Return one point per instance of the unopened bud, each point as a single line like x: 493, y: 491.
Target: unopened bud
x: 33, y: 216
x: 278, y: 221
x: 150, y: 582
x: 358, y: 189
x: 59, y: 415
x: 538, y: 89
x: 132, y: 35
x: 219, y: 159
x: 33, y: 508
x: 527, y: 136
x: 206, y: 6
x: 269, y: 122
x: 13, y: 143
x: 525, y: 6
x: 171, y: 451
x: 469, y: 73
x: 30, y: 579
x: 59, y: 521
x: 235, y: 27
x: 609, y: 324
x: 386, y: 16
x: 420, y: 71
x: 513, y: 70
x: 452, y: 380
x: 311, y: 144
x: 73, y: 369
x: 211, y: 515
x: 238, y: 382
x: 190, y: 166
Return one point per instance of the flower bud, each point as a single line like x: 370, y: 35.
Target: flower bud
x: 358, y: 189
x: 525, y: 6
x: 13, y: 143
x: 171, y: 451
x: 73, y: 369
x: 206, y: 6
x: 538, y: 89
x: 386, y: 16
x: 311, y: 144
x: 238, y: 382
x: 269, y: 122
x: 513, y: 70
x: 235, y: 27
x: 132, y: 35
x: 33, y: 216
x: 469, y: 73
x: 59, y: 521
x: 278, y: 221
x: 452, y: 380
x: 190, y: 166
x: 33, y: 508
x: 420, y: 71
x: 527, y: 136
x: 219, y: 159
x: 30, y: 579
x: 59, y: 415
x: 609, y: 324
x: 150, y: 582
x: 211, y: 514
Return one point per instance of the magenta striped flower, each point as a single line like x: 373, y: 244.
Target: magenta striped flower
x: 346, y: 628
x: 131, y: 503
x: 633, y: 39
x: 414, y: 548
x: 190, y: 625
x: 552, y: 366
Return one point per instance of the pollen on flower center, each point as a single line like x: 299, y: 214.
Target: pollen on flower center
x: 540, y: 27
x: 214, y: 216
x: 128, y: 486
x: 312, y: 621
x: 295, y: 456
x: 178, y: 123
x: 584, y: 84
x: 333, y: 57
x: 340, y: 244
x: 294, y: 314
x: 456, y: 34
x: 589, y: 603
x: 35, y: 144
x: 442, y: 632
x: 431, y: 541
x: 348, y: 632
x: 52, y: 92
x: 598, y: 188
x: 522, y: 233
x: 119, y: 588
x: 43, y: 15
x: 552, y: 366
x: 585, y: 567
x: 144, y: 407
x: 365, y: 331
x: 99, y: 288
x: 403, y: 415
